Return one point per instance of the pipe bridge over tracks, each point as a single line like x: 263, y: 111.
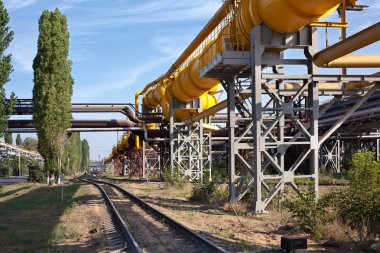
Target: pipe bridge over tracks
x: 276, y: 128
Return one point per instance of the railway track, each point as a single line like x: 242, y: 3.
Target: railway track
x: 146, y: 229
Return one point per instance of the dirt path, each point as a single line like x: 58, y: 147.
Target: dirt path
x: 87, y: 226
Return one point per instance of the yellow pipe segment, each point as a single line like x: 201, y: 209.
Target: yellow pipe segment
x: 137, y: 102
x: 280, y: 15
x: 343, y: 48
x: 210, y: 26
x: 284, y: 16
x: 355, y: 61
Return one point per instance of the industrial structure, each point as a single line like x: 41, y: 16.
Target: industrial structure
x: 273, y: 126
x: 10, y: 152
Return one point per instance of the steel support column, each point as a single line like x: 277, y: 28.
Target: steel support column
x: 189, y: 147
x: 276, y: 116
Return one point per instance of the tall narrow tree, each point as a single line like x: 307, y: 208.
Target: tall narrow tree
x: 18, y: 140
x: 6, y: 37
x: 53, y: 87
x: 85, y: 155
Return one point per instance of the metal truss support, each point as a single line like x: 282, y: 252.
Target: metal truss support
x: 133, y: 163
x: 190, y: 148
x: 284, y: 123
x: 330, y: 155
x: 151, y: 161
x: 378, y: 150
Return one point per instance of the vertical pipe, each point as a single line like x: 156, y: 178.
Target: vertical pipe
x: 342, y: 32
x: 144, y: 161
x: 256, y: 86
x: 231, y: 140
x: 171, y: 134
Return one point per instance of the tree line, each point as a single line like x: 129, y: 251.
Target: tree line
x: 76, y: 156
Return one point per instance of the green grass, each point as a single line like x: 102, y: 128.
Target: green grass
x: 225, y: 233
x: 28, y: 223
x: 326, y: 179
x: 62, y: 233
x: 6, y: 193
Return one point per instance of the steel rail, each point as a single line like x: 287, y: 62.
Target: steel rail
x: 132, y: 245
x: 166, y: 219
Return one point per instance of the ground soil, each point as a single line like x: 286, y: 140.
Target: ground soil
x: 232, y: 228
x: 85, y: 223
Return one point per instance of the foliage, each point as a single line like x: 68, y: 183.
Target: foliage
x: 175, y: 178
x: 30, y: 144
x: 225, y: 233
x: 219, y: 170
x: 85, y: 155
x: 38, y: 176
x: 24, y: 165
x: 6, y: 68
x: 307, y: 210
x: 8, y: 138
x: 358, y: 205
x: 205, y: 191
x: 18, y: 140
x: 72, y: 158
x: 6, y: 167
x: 53, y: 88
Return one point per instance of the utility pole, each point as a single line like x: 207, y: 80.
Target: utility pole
x: 19, y: 164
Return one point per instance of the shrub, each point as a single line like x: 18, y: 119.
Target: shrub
x: 219, y: 171
x: 308, y: 211
x: 205, y: 191
x: 37, y: 177
x: 358, y: 205
x: 175, y: 178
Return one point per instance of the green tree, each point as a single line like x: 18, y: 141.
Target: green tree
x: 6, y: 68
x: 30, y: 144
x: 24, y: 165
x: 8, y: 138
x: 85, y: 155
x: 73, y: 154
x: 53, y: 88
x: 8, y: 166
x: 18, y: 140
x: 359, y: 204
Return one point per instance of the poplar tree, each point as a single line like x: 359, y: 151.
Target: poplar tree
x: 85, y: 155
x: 53, y: 88
x: 73, y: 154
x: 18, y: 140
x: 6, y: 37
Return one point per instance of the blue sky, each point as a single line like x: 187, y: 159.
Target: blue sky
x: 117, y: 46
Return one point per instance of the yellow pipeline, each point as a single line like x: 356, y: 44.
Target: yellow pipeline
x: 137, y: 102
x: 280, y: 15
x: 210, y: 26
x: 355, y: 61
x: 359, y: 40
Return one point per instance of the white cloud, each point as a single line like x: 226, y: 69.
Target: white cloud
x: 68, y: 4
x: 23, y: 51
x: 171, y: 43
x: 124, y: 14
x: 13, y: 5
x: 127, y: 77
